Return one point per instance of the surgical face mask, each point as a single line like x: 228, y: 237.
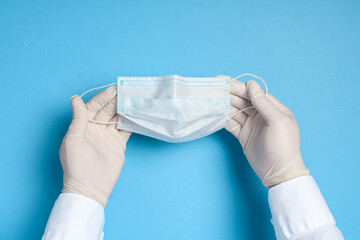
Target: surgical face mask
x: 172, y: 108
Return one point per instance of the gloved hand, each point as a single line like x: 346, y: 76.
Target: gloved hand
x: 91, y: 154
x: 268, y: 134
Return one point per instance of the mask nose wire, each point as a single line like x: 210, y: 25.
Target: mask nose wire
x: 244, y: 109
x: 94, y: 121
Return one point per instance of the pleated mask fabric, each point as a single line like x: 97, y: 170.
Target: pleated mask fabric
x: 173, y: 108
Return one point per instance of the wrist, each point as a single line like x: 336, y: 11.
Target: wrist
x: 281, y: 178
x: 294, y: 176
x: 86, y: 191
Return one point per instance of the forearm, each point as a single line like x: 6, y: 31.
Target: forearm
x: 299, y: 211
x: 75, y: 217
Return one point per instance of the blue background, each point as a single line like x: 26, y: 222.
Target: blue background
x: 308, y: 52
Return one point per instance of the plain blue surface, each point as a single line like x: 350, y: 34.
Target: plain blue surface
x: 308, y: 52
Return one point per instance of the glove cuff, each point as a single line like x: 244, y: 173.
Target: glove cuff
x: 85, y: 191
x: 286, y: 177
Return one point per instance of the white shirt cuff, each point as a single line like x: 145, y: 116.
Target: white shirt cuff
x: 298, y: 207
x: 75, y: 217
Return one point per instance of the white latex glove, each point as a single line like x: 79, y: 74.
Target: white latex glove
x: 268, y: 134
x: 92, y: 155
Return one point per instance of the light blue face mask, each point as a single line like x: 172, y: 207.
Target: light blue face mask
x: 173, y: 108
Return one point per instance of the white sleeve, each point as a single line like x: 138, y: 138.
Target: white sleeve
x: 75, y: 217
x: 299, y: 211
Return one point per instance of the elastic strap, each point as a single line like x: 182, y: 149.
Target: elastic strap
x: 100, y: 122
x: 94, y: 121
x: 97, y: 88
x: 244, y: 109
x: 252, y: 75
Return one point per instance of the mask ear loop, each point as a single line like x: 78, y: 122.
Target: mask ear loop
x: 97, y: 88
x: 244, y: 109
x: 94, y: 121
